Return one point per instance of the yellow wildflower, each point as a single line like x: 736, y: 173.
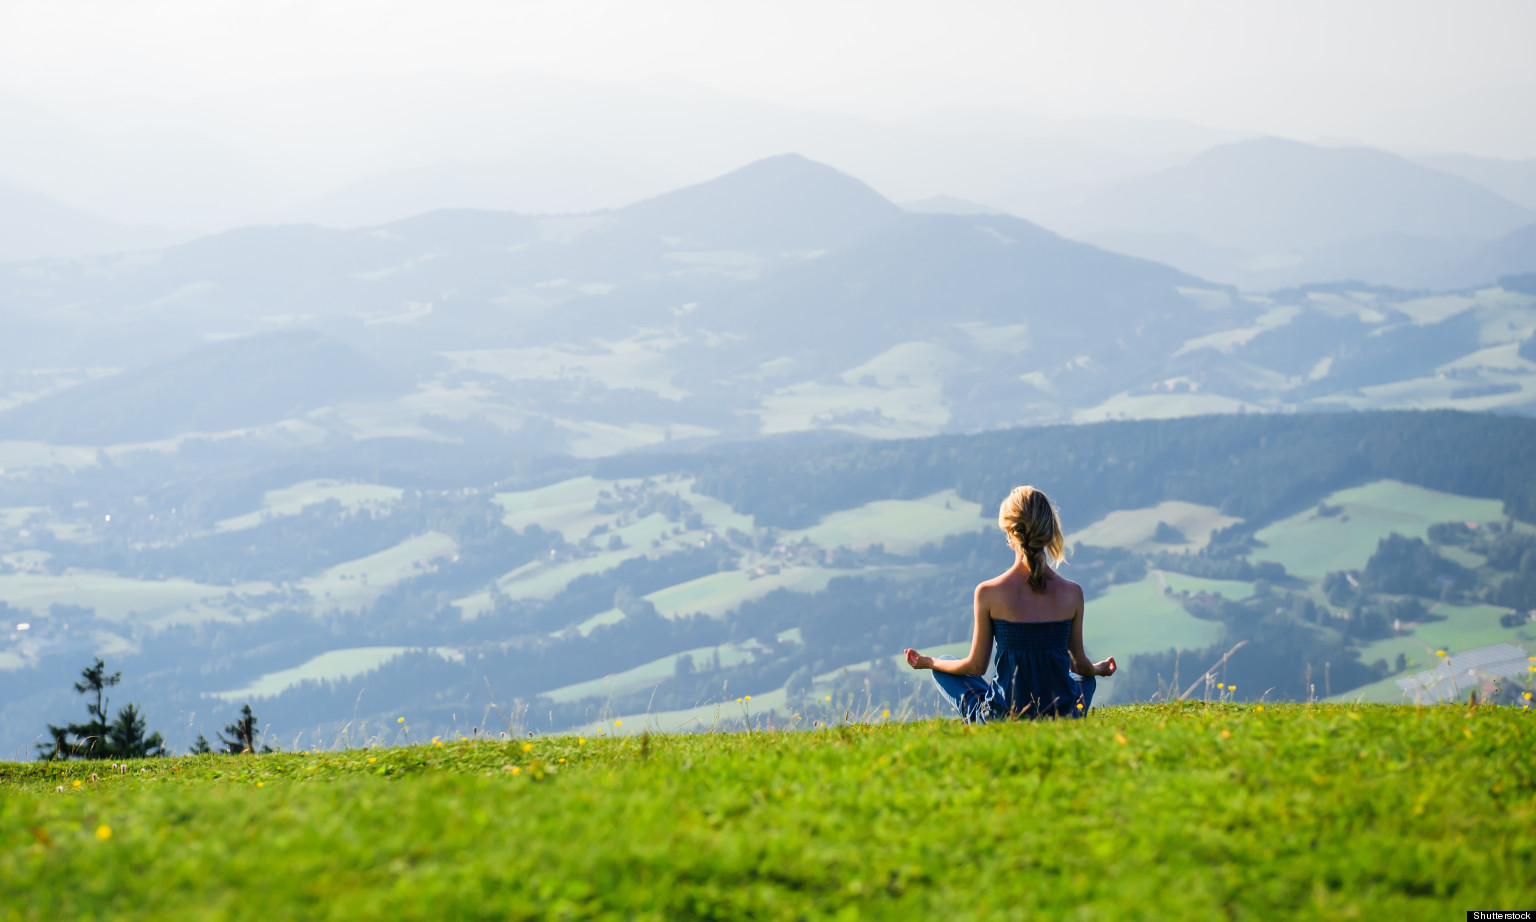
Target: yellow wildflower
x: 516, y: 770
x: 749, y: 697
x: 1226, y: 734
x: 1079, y: 705
x: 103, y: 832
x: 1120, y: 738
x: 562, y: 761
x: 886, y: 712
x: 527, y: 747
x: 827, y: 698
x: 1527, y: 696
x: 261, y: 784
x: 618, y: 723
x: 1439, y: 652
x: 399, y: 720
x: 372, y: 759
x: 78, y: 782
x: 1221, y: 685
x: 1231, y: 688
x: 581, y: 741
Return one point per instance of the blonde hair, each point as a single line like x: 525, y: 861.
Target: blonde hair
x: 1033, y: 530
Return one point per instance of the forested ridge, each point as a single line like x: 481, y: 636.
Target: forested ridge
x: 1255, y: 467
x: 872, y: 601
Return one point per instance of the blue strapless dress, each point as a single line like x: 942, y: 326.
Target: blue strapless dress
x: 1034, y: 671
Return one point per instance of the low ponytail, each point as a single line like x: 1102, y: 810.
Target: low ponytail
x: 1038, y: 572
x: 1034, y: 531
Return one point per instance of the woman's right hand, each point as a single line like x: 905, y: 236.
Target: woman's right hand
x: 1105, y: 668
x: 917, y: 660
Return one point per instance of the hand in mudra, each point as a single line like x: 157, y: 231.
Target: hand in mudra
x: 1105, y: 668
x: 918, y: 661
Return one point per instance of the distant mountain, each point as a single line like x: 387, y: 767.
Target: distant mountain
x: 1513, y: 179
x: 1512, y: 254
x: 786, y: 296
x: 783, y: 202
x: 1272, y: 196
x: 949, y: 204
x: 1270, y: 213
x: 218, y: 387
x: 34, y: 226
x: 536, y: 181
x: 1128, y: 135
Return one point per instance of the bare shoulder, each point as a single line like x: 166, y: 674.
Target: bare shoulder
x: 987, y: 585
x: 1070, y: 589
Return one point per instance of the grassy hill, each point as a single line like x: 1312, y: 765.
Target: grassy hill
x: 1182, y: 811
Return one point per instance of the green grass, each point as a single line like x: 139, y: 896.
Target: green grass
x: 1311, y: 545
x: 1292, y: 811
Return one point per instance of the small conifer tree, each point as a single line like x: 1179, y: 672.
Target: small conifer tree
x: 126, y: 738
x: 240, y: 736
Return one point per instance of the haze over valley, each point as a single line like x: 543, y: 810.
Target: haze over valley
x: 532, y: 400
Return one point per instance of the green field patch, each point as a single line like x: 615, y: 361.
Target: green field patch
x: 902, y: 526
x: 15, y: 456
x: 1232, y: 589
x: 150, y: 604
x: 17, y: 516
x: 1436, y: 309
x: 611, y: 616
x: 567, y: 507
x: 717, y: 514
x: 357, y: 583
x: 293, y: 500
x: 1461, y: 556
x: 653, y: 673
x: 1135, y: 528
x: 334, y: 666
x: 721, y: 592
x: 1312, y: 545
x: 1141, y: 618
x: 1466, y: 627
x: 1126, y: 405
x: 769, y: 704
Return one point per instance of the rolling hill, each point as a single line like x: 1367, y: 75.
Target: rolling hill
x: 785, y: 296
x: 1268, y: 213
x: 227, y: 385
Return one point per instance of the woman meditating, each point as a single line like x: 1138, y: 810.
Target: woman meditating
x: 1036, y: 618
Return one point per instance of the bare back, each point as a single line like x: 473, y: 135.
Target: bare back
x: 1007, y: 597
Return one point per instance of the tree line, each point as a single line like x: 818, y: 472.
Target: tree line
x: 126, y: 736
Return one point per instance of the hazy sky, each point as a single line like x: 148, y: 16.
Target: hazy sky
x: 1386, y: 71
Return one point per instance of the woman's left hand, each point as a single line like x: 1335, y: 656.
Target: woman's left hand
x: 918, y: 661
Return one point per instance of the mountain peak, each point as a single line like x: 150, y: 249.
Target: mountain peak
x: 785, y: 202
